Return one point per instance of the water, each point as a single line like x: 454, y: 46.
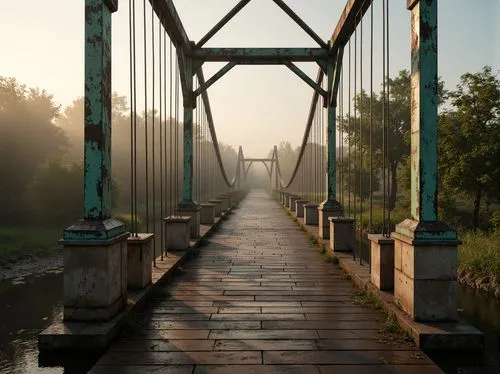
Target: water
x: 483, y: 312
x: 26, y: 309
x: 29, y: 307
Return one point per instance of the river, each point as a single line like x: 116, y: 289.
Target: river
x: 33, y: 303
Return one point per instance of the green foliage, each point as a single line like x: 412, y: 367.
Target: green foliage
x: 480, y: 254
x: 399, y: 119
x: 469, y: 137
x: 28, y: 136
x: 53, y: 180
x: 18, y: 242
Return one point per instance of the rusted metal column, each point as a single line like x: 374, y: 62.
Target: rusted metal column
x: 97, y: 191
x: 188, y: 100
x: 424, y: 107
x: 97, y: 147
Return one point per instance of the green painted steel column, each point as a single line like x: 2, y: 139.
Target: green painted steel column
x: 97, y: 185
x: 331, y: 202
x: 424, y: 108
x: 97, y: 223
x: 424, y: 224
x: 187, y: 186
x: 331, y: 140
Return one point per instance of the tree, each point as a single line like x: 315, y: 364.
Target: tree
x: 28, y: 136
x: 399, y: 125
x: 469, y: 138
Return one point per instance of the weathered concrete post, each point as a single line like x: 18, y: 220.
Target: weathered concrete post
x: 95, y: 248
x: 330, y: 207
x: 188, y: 207
x: 425, y: 250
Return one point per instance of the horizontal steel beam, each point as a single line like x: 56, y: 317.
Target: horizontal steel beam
x: 260, y: 54
x: 258, y: 159
x: 166, y: 12
x: 351, y: 16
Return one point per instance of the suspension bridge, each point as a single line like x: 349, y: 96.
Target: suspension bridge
x: 252, y: 290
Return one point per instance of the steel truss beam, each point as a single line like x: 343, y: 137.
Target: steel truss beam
x: 166, y: 12
x: 301, y: 23
x: 214, y: 78
x: 222, y: 22
x: 260, y: 55
x: 305, y: 78
x: 351, y: 16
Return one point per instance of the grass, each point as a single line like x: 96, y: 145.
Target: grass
x: 480, y: 254
x: 367, y: 299
x: 21, y: 242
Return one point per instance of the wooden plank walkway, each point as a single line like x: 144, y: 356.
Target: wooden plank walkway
x: 259, y: 299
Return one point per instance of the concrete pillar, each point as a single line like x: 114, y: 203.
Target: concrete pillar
x: 139, y: 260
x: 299, y: 207
x: 194, y: 224
x: 291, y: 202
x: 425, y: 249
x: 207, y: 214
x: 324, y: 213
x: 382, y: 262
x: 95, y: 248
x: 284, y: 198
x: 218, y: 207
x: 341, y: 234
x: 225, y: 202
x: 311, y: 214
x: 177, y: 231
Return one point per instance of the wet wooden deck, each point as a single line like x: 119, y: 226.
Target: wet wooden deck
x: 259, y: 299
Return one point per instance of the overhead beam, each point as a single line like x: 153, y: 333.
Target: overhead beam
x: 260, y: 54
x: 304, y: 26
x: 258, y: 159
x: 166, y: 12
x: 351, y: 16
x: 214, y: 79
x: 222, y: 22
x: 305, y: 78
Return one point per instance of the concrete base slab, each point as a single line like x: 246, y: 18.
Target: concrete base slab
x: 382, y: 262
x: 207, y: 214
x: 311, y: 216
x: 177, y: 233
x: 194, y: 224
x: 95, y: 279
x: 341, y: 234
x: 433, y: 336
x: 77, y: 336
x: 139, y: 260
x: 299, y: 207
x: 218, y: 207
x: 457, y: 335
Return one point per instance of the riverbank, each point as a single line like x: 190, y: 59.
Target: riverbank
x: 479, y: 261
x: 26, y: 251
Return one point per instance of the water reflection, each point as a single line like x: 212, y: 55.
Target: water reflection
x: 483, y: 312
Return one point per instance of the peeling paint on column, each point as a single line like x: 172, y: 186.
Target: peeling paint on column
x: 187, y: 186
x: 97, y: 184
x: 331, y: 139
x: 424, y: 82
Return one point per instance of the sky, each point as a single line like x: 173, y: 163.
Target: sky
x: 253, y: 106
